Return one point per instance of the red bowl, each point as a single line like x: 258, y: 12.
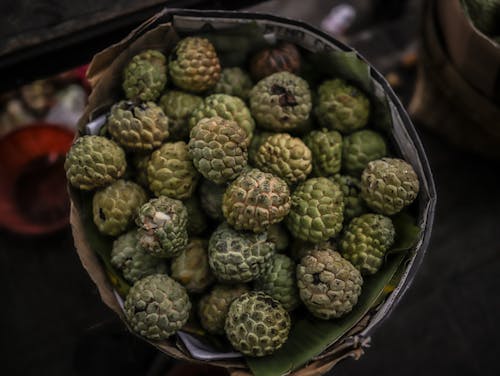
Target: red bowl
x: 33, y: 196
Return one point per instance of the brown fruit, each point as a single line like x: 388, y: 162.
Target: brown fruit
x: 282, y: 57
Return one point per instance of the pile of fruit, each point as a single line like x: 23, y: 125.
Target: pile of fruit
x: 244, y: 200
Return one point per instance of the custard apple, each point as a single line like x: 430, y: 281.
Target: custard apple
x: 360, y: 148
x: 350, y: 186
x: 256, y: 200
x: 178, y: 107
x: 234, y: 81
x: 279, y: 58
x: 197, y: 220
x: 211, y: 199
x: 94, y: 162
x: 278, y: 235
x: 257, y: 140
x: 156, y: 307
x: 329, y: 285
x: 388, y: 185
x: 326, y: 149
x: 145, y: 76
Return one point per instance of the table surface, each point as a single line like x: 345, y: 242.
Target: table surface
x: 52, y: 321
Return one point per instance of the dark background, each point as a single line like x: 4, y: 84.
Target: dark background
x: 52, y: 321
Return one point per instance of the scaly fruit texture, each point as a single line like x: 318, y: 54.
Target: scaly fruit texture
x: 256, y: 200
x: 211, y: 199
x: 329, y: 285
x: 341, y: 106
x: 326, y: 149
x: 350, y: 186
x: 282, y: 57
x: 145, y: 76
x: 285, y: 156
x: 317, y: 210
x: 171, y: 172
x: 238, y: 257
x: 94, y: 162
x: 227, y: 107
x: 257, y: 140
x: 162, y: 226
x: 214, y: 306
x: 279, y: 282
x: 194, y: 65
x: 256, y: 324
x: 365, y: 241
x: 234, y: 81
x: 132, y: 261
x: 138, y: 127
x: 281, y: 102
x: 190, y: 268
x: 360, y: 148
x: 218, y: 149
x: 388, y: 185
x: 178, y: 106
x: 156, y: 307
x: 278, y: 235
x: 115, y: 207
x: 197, y: 220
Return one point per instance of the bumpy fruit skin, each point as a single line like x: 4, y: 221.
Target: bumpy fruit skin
x: 162, y: 226
x: 218, y: 148
x: 281, y: 102
x: 388, y: 185
x: 145, y: 76
x: 190, y: 268
x: 256, y: 324
x: 256, y: 200
x: 194, y: 65
x: 171, y: 172
x: 278, y: 235
x: 360, y: 148
x: 156, y: 307
x: 282, y: 57
x: 133, y: 262
x: 178, y: 106
x: 326, y: 149
x: 257, y: 140
x: 138, y: 127
x: 354, y: 205
x: 197, y: 220
x: 227, y: 107
x: 317, y: 210
x: 211, y: 199
x: 285, y: 156
x: 115, y: 207
x: 214, y: 306
x: 94, y: 162
x: 365, y: 241
x: 279, y: 282
x: 341, y: 106
x: 236, y: 257
x: 234, y: 81
x: 329, y: 285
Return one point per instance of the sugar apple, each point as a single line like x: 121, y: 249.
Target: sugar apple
x: 162, y: 226
x: 326, y: 149
x: 329, y: 285
x: 218, y: 149
x: 190, y: 267
x: 257, y: 140
x: 360, y: 148
x: 211, y: 199
x: 388, y: 185
x: 178, y: 107
x: 278, y: 235
x: 234, y: 81
x: 236, y: 257
x: 214, y: 306
x: 317, y: 210
x: 194, y: 65
x: 171, y: 172
x: 281, y: 102
x: 227, y: 107
x: 94, y: 162
x: 279, y: 282
x: 145, y: 76
x: 132, y: 261
x: 256, y: 324
x: 256, y: 200
x: 354, y: 205
x: 285, y: 156
x: 156, y: 307
x: 341, y: 106
x: 282, y: 57
x: 115, y: 207
x: 197, y: 220
x: 365, y: 241
x: 137, y: 127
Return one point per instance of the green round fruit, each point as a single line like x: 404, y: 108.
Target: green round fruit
x: 326, y: 149
x: 350, y: 186
x: 360, y: 148
x: 234, y: 81
x: 178, y: 106
x: 145, y: 76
